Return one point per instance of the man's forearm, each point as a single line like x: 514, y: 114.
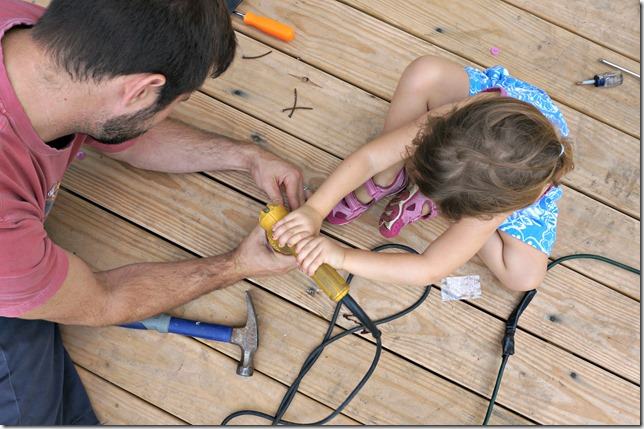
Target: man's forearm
x: 138, y: 291
x: 143, y: 290
x: 175, y: 147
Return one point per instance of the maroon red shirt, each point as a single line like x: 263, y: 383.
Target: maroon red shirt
x: 32, y: 267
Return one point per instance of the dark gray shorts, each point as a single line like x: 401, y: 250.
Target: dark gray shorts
x: 38, y: 382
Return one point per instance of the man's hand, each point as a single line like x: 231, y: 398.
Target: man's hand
x: 315, y: 251
x: 255, y: 257
x: 270, y: 172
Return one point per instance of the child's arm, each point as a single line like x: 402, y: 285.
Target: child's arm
x: 370, y: 159
x: 448, y: 252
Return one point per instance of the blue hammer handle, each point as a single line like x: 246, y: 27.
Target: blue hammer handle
x: 165, y: 323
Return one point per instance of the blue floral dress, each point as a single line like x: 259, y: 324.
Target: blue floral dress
x: 535, y: 225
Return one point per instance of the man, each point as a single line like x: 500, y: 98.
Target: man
x: 103, y: 73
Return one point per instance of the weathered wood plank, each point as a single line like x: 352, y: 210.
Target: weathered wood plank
x: 115, y: 406
x: 344, y: 117
x: 152, y: 200
x: 607, y: 161
x: 181, y: 375
x: 418, y: 402
x: 370, y: 53
x: 118, y: 355
x: 398, y: 393
x: 571, y: 310
x: 611, y: 23
x: 259, y: 83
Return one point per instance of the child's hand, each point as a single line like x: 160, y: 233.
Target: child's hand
x: 315, y: 251
x: 301, y: 223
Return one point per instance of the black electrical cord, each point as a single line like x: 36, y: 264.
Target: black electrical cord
x: 507, y: 344
x: 513, y: 320
x: 327, y: 340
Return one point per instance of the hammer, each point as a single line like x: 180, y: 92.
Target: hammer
x: 246, y: 337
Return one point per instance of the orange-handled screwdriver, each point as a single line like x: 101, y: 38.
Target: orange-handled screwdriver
x: 268, y: 26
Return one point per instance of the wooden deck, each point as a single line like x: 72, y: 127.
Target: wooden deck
x: 578, y: 346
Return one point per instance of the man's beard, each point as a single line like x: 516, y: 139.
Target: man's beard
x: 125, y: 127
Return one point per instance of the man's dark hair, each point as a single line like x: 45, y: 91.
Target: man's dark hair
x: 184, y: 40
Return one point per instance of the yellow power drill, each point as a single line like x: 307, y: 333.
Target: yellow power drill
x: 326, y: 277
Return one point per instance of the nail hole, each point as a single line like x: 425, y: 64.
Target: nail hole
x: 256, y: 138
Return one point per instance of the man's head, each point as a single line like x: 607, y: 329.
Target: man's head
x: 143, y: 56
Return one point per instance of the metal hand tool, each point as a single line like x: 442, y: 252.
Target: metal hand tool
x: 605, y: 61
x: 604, y: 80
x: 246, y: 337
x: 266, y: 25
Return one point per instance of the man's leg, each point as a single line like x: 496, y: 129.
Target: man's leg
x: 38, y: 382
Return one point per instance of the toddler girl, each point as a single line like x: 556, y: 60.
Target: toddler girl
x: 481, y: 148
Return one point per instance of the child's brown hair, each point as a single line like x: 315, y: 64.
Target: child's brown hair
x: 491, y: 156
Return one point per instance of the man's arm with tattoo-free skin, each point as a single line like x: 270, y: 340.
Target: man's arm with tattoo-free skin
x: 174, y: 147
x: 138, y: 291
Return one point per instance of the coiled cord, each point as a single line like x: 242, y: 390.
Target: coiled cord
x: 507, y: 344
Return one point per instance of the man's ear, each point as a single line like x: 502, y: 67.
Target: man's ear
x: 141, y: 90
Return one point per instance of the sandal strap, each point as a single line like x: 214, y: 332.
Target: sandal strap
x: 377, y: 192
x: 412, y: 196
x: 433, y: 209
x: 353, y: 203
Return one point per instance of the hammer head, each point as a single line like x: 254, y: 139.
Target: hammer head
x: 247, y: 338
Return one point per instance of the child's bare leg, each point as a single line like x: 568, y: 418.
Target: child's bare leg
x: 428, y: 82
x: 516, y: 264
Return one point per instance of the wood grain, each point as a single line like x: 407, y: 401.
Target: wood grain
x: 181, y: 375
x: 571, y: 310
x: 154, y: 203
x: 611, y: 23
x: 115, y: 406
x: 399, y: 392
x: 371, y: 49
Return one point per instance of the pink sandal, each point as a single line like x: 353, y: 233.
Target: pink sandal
x: 350, y: 208
x: 405, y: 208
